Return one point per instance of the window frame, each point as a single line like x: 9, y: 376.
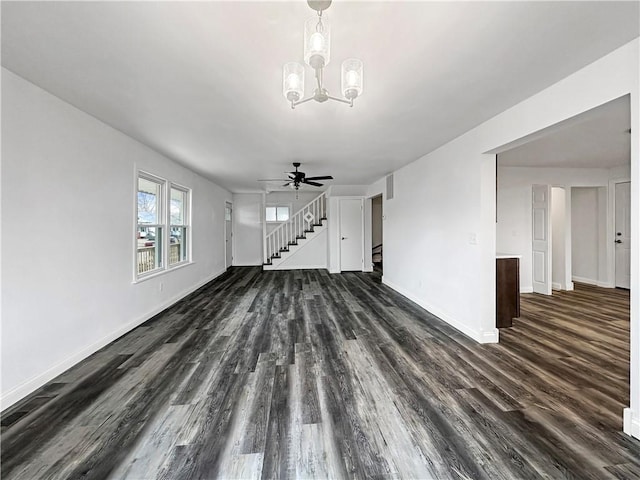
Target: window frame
x: 164, y: 225
x: 185, y: 225
x: 276, y: 206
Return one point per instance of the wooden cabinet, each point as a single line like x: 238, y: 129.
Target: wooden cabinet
x: 507, y: 290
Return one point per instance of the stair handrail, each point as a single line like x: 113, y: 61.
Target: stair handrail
x: 290, y: 231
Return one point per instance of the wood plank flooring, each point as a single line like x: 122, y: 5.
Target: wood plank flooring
x: 303, y: 374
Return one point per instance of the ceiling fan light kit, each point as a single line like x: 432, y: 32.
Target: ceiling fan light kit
x: 317, y: 46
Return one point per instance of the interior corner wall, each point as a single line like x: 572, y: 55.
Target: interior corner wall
x: 247, y: 229
x: 68, y: 199
x: 440, y: 231
x: 558, y: 226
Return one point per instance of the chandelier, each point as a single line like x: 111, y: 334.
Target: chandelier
x: 317, y: 41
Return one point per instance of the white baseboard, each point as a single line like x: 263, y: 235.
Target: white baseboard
x: 247, y: 265
x: 295, y: 267
x: 526, y: 289
x: 12, y: 396
x: 490, y: 336
x: 631, y: 423
x: 556, y: 286
x: 570, y: 286
x: 591, y: 281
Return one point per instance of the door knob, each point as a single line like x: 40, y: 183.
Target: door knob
x: 618, y: 241
x: 344, y: 238
x: 618, y: 233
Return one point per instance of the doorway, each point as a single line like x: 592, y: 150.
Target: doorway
x: 351, y: 234
x: 376, y: 233
x: 622, y: 214
x: 228, y: 234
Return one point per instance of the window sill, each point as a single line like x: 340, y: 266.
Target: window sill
x: 160, y: 273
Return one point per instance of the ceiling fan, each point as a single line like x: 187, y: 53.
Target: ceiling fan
x: 297, y: 178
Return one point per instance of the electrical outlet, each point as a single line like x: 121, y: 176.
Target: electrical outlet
x: 473, y: 238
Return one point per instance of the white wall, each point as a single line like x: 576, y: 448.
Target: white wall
x: 68, y: 199
x: 558, y: 248
x: 309, y: 254
x: 440, y: 232
x: 513, y: 230
x: 584, y: 234
x: 247, y: 229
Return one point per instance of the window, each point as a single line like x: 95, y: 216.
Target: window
x: 278, y: 213
x: 178, y: 214
x: 150, y: 224
x: 163, y: 231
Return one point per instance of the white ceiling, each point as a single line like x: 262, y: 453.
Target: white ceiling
x: 598, y: 138
x: 201, y: 81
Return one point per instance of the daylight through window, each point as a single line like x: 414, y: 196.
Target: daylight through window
x: 162, y: 233
x: 279, y: 213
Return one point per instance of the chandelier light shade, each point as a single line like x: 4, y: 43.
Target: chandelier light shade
x: 293, y: 81
x: 352, y: 78
x: 317, y: 47
x: 317, y: 41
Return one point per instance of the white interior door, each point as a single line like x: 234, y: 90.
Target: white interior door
x: 228, y: 234
x: 351, y: 235
x: 623, y: 235
x: 541, y: 239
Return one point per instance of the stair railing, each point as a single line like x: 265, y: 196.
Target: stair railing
x: 289, y: 232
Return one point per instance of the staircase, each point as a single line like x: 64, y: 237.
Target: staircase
x: 291, y: 235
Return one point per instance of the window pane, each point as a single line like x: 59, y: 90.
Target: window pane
x: 149, y: 195
x: 271, y: 214
x: 178, y: 245
x: 282, y: 214
x: 227, y: 213
x: 178, y: 207
x: 149, y: 248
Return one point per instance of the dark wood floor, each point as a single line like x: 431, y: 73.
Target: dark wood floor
x: 311, y: 375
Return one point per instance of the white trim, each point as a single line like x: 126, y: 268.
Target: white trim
x: 489, y: 336
x: 588, y: 281
x: 160, y: 272
x: 224, y: 243
x: 295, y: 267
x: 528, y: 289
x: 247, y: 264
x: 631, y: 423
x: 187, y: 225
x: 29, y: 386
x: 556, y: 286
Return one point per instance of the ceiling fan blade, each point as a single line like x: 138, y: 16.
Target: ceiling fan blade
x: 287, y: 184
x: 315, y: 184
x: 326, y: 177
